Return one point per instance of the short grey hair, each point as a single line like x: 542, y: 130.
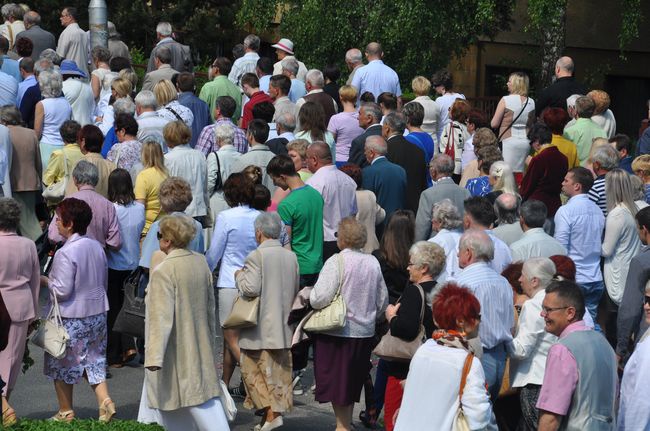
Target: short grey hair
x: 51, y: 84
x: 164, y: 54
x: 479, y: 243
x: 377, y: 144
x: 269, y: 224
x: 541, y: 268
x: 571, y: 100
x: 9, y: 214
x: 290, y: 65
x: 396, y: 122
x: 443, y: 164
x: 42, y: 65
x: 32, y: 18
x: 606, y: 156
x: 252, y: 41
x: 10, y: 115
x: 7, y: 10
x: 224, y: 134
x: 146, y: 99
x: 447, y: 214
x: 354, y: 56
x: 533, y: 213
x: 638, y: 188
x: 125, y: 105
x: 315, y: 78
x: 86, y: 173
x: 506, y: 207
x: 287, y: 121
x: 51, y: 55
x: 372, y: 109
x: 164, y: 28
x: 430, y: 254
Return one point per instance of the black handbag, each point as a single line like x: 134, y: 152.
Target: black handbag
x: 130, y: 320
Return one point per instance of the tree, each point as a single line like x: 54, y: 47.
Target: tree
x: 418, y: 36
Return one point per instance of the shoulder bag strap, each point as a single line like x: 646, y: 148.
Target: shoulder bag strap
x: 219, y: 182
x: 421, y: 290
x: 513, y: 121
x: 117, y: 158
x: 65, y: 163
x: 339, y: 260
x: 175, y: 113
x: 463, y: 378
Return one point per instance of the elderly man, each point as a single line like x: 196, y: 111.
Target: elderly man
x: 150, y: 124
x: 376, y: 77
x: 284, y: 126
x: 583, y: 132
x: 479, y: 214
x: 314, y: 84
x: 534, y: 242
x: 604, y: 159
x: 508, y: 229
x: 103, y: 226
x: 284, y: 50
x: 407, y: 155
x: 73, y: 42
x: 248, y: 62
x: 290, y: 68
x: 279, y: 88
x: 13, y: 15
x: 116, y: 47
x: 570, y: 398
x: 337, y: 189
x: 221, y: 86
x: 579, y: 228
x: 475, y: 251
x: 564, y: 86
x: 224, y: 110
x: 181, y: 58
x: 259, y: 153
x: 163, y: 69
x: 353, y: 60
x: 41, y: 39
x: 382, y: 177
x: 369, y: 120
x: 441, y: 168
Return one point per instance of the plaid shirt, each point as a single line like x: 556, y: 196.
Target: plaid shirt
x: 206, y: 142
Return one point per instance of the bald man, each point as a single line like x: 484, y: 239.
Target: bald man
x: 565, y: 85
x: 507, y: 209
x: 385, y: 179
x: 354, y: 60
x: 337, y: 189
x: 376, y: 77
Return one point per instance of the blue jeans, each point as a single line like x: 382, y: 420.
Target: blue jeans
x: 592, y: 291
x: 494, y: 365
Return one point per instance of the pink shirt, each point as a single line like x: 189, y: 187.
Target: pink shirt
x: 345, y: 126
x: 19, y: 276
x: 561, y: 375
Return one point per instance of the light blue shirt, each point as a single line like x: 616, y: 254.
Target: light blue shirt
x: 502, y: 255
x: 579, y: 229
x: 151, y: 244
x: 8, y: 89
x: 265, y: 81
x: 30, y: 81
x: 495, y: 296
x: 297, y: 90
x: 377, y: 78
x: 11, y: 68
x: 6, y: 151
x: 131, y: 221
x: 233, y: 239
x: 536, y: 243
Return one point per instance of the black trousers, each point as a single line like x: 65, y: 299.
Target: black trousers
x: 118, y: 343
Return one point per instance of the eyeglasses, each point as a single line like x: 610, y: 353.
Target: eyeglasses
x: 159, y: 235
x: 549, y: 310
x: 646, y: 300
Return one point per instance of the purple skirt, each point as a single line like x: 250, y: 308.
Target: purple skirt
x: 341, y: 366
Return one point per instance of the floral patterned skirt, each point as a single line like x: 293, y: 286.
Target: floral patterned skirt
x: 267, y: 377
x: 85, y: 352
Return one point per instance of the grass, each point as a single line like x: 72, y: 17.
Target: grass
x: 82, y: 425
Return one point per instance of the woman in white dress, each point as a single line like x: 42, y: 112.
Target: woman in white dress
x: 511, y: 117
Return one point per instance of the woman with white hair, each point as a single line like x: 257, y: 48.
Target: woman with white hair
x: 502, y: 180
x: 529, y: 347
x: 51, y: 113
x: 448, y: 222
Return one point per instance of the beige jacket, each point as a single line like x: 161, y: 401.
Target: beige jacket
x: 181, y: 333
x: 270, y: 272
x: 105, y: 168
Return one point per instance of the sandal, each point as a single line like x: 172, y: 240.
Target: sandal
x: 129, y: 355
x: 9, y: 418
x: 66, y: 416
x: 106, y: 410
x: 368, y: 418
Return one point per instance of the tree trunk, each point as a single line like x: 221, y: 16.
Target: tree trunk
x: 553, y: 43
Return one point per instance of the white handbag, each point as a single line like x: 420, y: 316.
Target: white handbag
x: 55, y: 192
x: 332, y: 316
x: 51, y: 336
x: 228, y: 404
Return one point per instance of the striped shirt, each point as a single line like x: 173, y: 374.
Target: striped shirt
x: 495, y: 296
x: 597, y: 194
x: 206, y: 142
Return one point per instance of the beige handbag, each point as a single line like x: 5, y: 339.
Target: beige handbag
x: 460, y: 422
x: 51, y: 336
x: 244, y: 310
x: 55, y: 192
x: 334, y: 315
x: 392, y: 348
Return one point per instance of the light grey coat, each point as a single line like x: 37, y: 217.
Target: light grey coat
x: 445, y: 188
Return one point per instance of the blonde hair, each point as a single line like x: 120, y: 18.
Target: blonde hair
x: 619, y: 190
x: 122, y: 87
x: 642, y: 164
x: 601, y: 100
x: 519, y: 84
x: 152, y: 156
x: 351, y: 233
x: 421, y: 86
x: 165, y: 92
x: 348, y: 93
x: 178, y: 229
x: 505, y: 180
x: 130, y: 75
x: 176, y: 133
x: 299, y: 146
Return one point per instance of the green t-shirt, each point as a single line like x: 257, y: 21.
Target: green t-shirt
x: 302, y: 211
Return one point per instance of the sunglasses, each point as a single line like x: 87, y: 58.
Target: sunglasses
x: 159, y: 235
x: 646, y: 300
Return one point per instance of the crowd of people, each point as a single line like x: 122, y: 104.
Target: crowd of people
x: 496, y: 266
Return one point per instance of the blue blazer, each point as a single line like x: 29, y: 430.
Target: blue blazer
x: 388, y: 182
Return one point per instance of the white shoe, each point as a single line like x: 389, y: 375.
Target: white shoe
x: 275, y: 423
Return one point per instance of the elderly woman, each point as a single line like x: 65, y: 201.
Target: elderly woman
x: 638, y: 190
x: 100, y: 58
x: 120, y: 89
x: 169, y: 107
x: 603, y: 116
x: 149, y: 180
x: 486, y: 156
x: 501, y: 180
x: 412, y: 310
x: 344, y: 126
x: 641, y: 168
x: 51, y: 112
x: 421, y: 88
x: 181, y: 330
x: 233, y: 239
x: 186, y: 162
x: 78, y: 280
x: 529, y: 347
x: 431, y: 391
x: 483, y: 137
x: 126, y: 153
x: 342, y: 356
x: 455, y: 134
x: 510, y: 117
x: 448, y: 223
x: 19, y: 288
x: 67, y: 157
x: 369, y: 213
x: 270, y: 273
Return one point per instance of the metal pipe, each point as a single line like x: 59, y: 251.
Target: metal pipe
x: 97, y: 19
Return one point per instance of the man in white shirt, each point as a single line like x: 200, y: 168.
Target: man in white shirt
x: 150, y: 124
x: 248, y: 62
x: 579, y: 228
x: 279, y: 88
x: 534, y: 242
x: 73, y: 43
x: 479, y: 214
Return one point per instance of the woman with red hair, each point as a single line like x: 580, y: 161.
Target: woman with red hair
x: 431, y: 394
x: 556, y: 119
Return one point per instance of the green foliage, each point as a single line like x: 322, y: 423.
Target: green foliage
x: 544, y: 14
x: 83, y: 425
x: 630, y: 21
x: 418, y: 36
